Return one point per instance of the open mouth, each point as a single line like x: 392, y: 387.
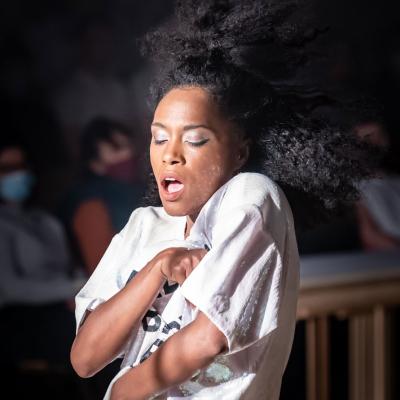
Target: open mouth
x: 172, y: 185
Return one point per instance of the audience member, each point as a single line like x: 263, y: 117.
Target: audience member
x: 36, y: 280
x: 378, y: 211
x: 110, y: 189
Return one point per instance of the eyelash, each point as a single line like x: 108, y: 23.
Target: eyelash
x: 195, y: 144
x: 198, y: 144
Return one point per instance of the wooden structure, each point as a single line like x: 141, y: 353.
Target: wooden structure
x: 361, y: 287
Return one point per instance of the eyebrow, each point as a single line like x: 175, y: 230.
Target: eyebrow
x: 186, y: 127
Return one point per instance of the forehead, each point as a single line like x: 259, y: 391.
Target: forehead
x: 190, y: 104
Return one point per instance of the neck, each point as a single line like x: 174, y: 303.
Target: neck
x: 190, y: 220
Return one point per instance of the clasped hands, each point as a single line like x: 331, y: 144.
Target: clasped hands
x: 177, y: 263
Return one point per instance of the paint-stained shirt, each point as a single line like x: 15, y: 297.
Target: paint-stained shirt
x: 246, y: 284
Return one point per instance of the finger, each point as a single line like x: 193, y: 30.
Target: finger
x: 180, y: 277
x: 201, y: 253
x: 196, y: 259
x: 189, y: 270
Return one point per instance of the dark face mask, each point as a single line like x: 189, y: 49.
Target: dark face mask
x: 125, y: 171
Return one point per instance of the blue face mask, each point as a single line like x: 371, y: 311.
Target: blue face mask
x: 16, y: 186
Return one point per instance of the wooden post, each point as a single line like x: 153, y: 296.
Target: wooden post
x: 369, y: 356
x: 317, y: 358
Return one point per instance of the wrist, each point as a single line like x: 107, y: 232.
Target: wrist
x: 157, y: 267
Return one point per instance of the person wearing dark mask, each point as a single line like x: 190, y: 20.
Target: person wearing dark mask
x: 109, y: 189
x: 36, y: 282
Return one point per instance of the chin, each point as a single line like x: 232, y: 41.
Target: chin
x: 174, y: 209
x: 177, y: 210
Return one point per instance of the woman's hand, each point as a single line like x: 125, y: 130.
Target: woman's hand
x: 177, y: 263
x: 107, y: 329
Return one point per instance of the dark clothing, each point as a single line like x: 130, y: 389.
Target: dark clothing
x: 120, y: 198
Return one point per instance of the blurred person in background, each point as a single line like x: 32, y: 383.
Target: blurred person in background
x: 36, y: 282
x: 378, y: 211
x: 100, y: 204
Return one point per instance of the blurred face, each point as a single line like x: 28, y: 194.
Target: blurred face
x: 119, y: 150
x: 194, y: 150
x: 16, y: 180
x: 12, y: 159
x: 372, y: 133
x: 116, y: 159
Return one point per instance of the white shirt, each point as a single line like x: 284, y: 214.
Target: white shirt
x: 35, y: 263
x: 382, y: 198
x: 247, y: 285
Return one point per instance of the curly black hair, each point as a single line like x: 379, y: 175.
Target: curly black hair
x: 247, y: 55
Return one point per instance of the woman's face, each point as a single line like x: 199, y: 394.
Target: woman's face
x: 194, y: 150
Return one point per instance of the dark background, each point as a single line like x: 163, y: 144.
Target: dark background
x: 41, y: 48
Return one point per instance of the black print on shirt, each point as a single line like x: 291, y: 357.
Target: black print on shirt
x: 132, y: 275
x: 166, y: 331
x: 169, y: 288
x: 170, y: 326
x: 152, y: 321
x: 151, y: 350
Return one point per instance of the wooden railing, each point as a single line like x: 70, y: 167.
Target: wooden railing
x: 361, y: 287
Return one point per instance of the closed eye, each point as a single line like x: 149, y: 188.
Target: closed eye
x: 160, y: 137
x: 159, y: 141
x: 197, y: 143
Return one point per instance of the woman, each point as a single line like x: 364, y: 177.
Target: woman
x: 199, y: 295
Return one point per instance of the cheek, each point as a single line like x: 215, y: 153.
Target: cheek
x: 213, y: 171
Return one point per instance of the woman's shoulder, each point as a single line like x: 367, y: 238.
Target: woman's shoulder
x: 149, y: 218
x: 146, y: 214
x: 256, y: 189
x: 251, y: 198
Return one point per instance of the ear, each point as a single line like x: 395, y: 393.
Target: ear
x: 243, y: 153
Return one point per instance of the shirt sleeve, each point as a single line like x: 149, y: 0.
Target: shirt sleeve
x: 238, y: 283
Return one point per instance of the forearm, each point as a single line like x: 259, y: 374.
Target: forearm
x: 173, y: 363
x: 106, y: 329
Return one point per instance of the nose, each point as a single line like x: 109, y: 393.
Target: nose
x: 173, y: 153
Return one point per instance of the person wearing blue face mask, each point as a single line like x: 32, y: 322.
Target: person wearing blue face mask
x: 36, y: 283
x: 16, y: 186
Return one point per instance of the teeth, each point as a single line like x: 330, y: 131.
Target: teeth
x: 169, y: 179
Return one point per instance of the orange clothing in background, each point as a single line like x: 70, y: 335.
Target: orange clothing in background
x: 93, y: 230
